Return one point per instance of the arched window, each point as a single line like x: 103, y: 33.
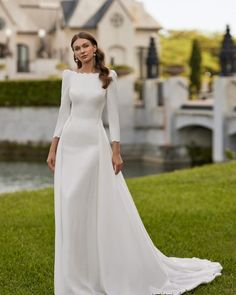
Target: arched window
x: 22, y: 58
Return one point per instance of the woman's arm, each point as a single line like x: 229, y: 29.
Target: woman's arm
x: 63, y: 114
x: 64, y: 110
x: 112, y: 108
x: 114, y: 124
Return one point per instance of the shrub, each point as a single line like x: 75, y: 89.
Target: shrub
x: 30, y: 93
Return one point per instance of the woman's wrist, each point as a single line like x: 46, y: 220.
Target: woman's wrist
x: 116, y: 148
x: 54, y: 144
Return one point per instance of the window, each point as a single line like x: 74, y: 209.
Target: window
x: 2, y: 50
x: 22, y: 58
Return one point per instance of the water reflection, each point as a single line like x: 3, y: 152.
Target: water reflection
x: 16, y: 176
x: 24, y: 175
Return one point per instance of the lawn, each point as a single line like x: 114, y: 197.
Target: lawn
x: 187, y: 213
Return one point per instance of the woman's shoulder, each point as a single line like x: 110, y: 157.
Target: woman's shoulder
x: 66, y: 72
x: 113, y: 73
x: 66, y: 75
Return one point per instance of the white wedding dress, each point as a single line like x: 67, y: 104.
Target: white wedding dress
x: 101, y: 244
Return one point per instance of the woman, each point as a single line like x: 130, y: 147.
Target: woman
x: 101, y: 245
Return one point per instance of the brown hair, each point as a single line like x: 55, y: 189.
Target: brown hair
x: 99, y: 58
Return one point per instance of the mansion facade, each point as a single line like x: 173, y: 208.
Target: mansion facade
x: 35, y: 35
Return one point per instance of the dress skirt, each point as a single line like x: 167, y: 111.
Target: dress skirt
x: 102, y: 246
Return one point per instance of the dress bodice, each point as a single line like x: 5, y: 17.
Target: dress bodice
x: 83, y: 98
x: 87, y: 96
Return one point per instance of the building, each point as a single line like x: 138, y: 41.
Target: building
x: 35, y: 35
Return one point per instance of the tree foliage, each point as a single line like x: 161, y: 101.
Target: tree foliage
x: 195, y: 63
x: 176, y: 48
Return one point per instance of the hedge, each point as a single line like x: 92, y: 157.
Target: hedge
x: 30, y: 93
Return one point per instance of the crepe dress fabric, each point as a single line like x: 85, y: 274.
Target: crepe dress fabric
x: 101, y: 244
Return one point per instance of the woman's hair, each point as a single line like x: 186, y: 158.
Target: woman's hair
x: 99, y: 58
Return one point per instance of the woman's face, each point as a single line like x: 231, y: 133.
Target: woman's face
x: 83, y: 49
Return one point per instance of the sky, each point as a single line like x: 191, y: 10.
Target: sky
x: 204, y: 15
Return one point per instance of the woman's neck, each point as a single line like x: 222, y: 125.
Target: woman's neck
x: 87, y: 68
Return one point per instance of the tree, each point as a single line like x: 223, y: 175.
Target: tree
x: 195, y: 62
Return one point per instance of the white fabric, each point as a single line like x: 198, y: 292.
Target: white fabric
x: 101, y: 244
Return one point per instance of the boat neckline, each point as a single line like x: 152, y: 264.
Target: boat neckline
x: 85, y: 73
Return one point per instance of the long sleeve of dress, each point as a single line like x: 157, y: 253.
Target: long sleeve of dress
x: 112, y: 108
x: 64, y: 110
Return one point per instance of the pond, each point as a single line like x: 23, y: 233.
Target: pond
x: 16, y: 176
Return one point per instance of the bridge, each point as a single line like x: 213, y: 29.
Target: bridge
x: 209, y: 122
x: 171, y: 119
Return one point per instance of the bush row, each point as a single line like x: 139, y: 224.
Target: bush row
x: 30, y: 93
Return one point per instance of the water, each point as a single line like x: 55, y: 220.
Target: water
x: 15, y: 176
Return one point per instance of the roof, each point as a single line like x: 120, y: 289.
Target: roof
x: 142, y: 19
x: 134, y: 9
x: 17, y: 17
x: 95, y: 19
x: 30, y: 15
x: 68, y: 7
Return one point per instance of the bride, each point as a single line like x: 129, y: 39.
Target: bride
x: 101, y: 244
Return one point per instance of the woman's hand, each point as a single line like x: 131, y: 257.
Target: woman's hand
x: 51, y: 160
x: 52, y: 153
x: 117, y: 163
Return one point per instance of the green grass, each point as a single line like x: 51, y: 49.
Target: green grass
x: 187, y: 213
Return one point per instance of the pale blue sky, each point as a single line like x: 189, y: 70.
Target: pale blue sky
x: 206, y: 15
